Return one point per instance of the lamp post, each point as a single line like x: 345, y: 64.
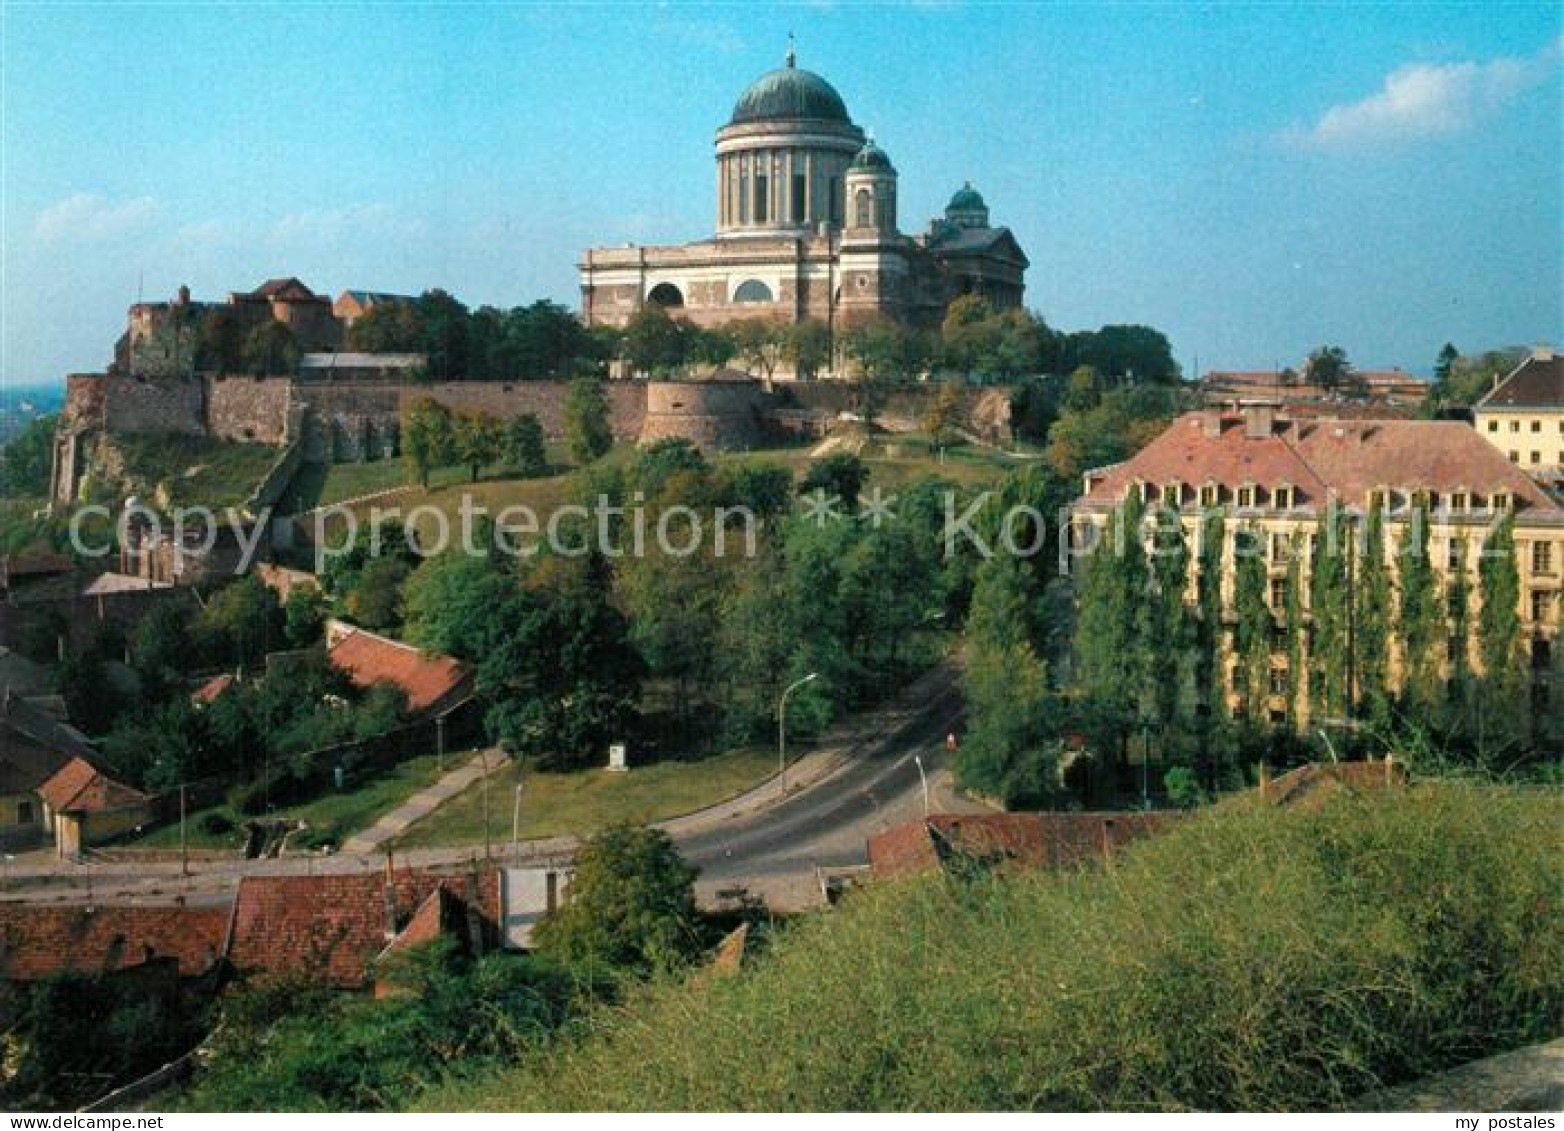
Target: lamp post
x: 184, y: 845
x: 923, y: 778
x: 782, y: 726
x: 488, y: 848
x: 515, y: 823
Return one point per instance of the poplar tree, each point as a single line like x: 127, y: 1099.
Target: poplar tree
x: 1252, y: 642
x: 1423, y: 629
x: 1330, y: 603
x: 1502, y: 689
x: 1210, y: 686
x: 1166, y: 622
x: 1460, y: 697
x: 1375, y: 618
x: 1297, y: 650
x: 1107, y: 635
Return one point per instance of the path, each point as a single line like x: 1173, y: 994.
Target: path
x: 424, y: 802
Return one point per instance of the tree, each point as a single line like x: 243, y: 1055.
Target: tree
x: 942, y: 416
x: 303, y: 615
x: 271, y: 348
x: 241, y: 622
x: 759, y: 343
x: 376, y: 600
x: 631, y: 906
x: 27, y: 458
x: 807, y: 347
x: 1375, y: 618
x: 428, y: 437
x: 654, y: 343
x: 1444, y: 364
x: 1297, y: 631
x: 1461, y: 381
x: 1128, y: 351
x: 1329, y: 368
x: 1502, y: 693
x: 477, y: 440
x: 1254, y: 627
x: 444, y: 322
x: 220, y: 341
x: 1108, y: 641
x: 661, y: 460
x: 1330, y: 601
x: 588, y: 432
x: 1167, y: 629
x: 840, y: 475
x: 524, y: 446
x: 1423, y: 628
x: 388, y: 327
x: 556, y: 668
x: 1011, y: 747
x: 451, y: 600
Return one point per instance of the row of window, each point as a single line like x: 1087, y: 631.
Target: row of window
x: 1536, y: 457
x: 1515, y: 426
x: 1283, y: 496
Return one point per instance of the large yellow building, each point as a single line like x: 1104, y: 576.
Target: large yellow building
x: 1280, y: 475
x: 1523, y: 416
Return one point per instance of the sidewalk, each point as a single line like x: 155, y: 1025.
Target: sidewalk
x: 424, y: 802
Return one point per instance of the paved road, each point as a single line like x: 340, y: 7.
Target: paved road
x: 877, y: 786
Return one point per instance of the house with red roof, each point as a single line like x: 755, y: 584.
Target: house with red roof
x: 432, y: 684
x: 1278, y: 477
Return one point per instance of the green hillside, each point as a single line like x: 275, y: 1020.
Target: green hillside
x: 1252, y: 959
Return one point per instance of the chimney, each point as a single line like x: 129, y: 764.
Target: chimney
x: 1542, y: 353
x: 1258, y: 421
x: 184, y: 296
x: 1211, y: 422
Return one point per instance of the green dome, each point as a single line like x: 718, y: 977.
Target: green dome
x: 871, y: 156
x: 967, y: 199
x: 790, y: 93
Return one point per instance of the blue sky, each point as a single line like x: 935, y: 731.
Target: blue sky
x: 1254, y: 180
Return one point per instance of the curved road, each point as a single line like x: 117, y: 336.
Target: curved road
x: 828, y: 823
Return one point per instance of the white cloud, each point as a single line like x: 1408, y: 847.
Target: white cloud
x: 1427, y: 100
x: 330, y: 225
x: 87, y: 217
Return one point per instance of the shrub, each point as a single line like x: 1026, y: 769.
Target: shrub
x: 216, y: 824
x: 1250, y: 959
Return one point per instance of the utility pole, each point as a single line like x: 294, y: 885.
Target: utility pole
x: 184, y: 847
x: 515, y: 823
x: 923, y: 778
x: 488, y: 849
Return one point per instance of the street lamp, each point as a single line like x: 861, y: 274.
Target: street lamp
x: 782, y: 725
x: 924, y: 779
x: 515, y: 823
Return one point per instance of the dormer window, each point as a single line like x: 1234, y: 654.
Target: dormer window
x: 1379, y: 499
x: 1143, y: 489
x: 1210, y: 495
x: 1501, y: 501
x: 1460, y: 501
x: 1248, y: 495
x: 1282, y: 497
x: 1172, y: 494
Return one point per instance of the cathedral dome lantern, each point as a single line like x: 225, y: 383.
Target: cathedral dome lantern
x: 967, y: 209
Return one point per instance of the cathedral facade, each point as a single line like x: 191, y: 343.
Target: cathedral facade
x: 807, y: 228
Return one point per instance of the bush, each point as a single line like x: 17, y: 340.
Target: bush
x: 1250, y: 959
x: 216, y: 824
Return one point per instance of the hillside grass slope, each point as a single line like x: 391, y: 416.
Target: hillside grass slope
x: 1251, y: 959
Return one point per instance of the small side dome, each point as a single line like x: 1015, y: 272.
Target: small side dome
x: 967, y: 208
x: 872, y: 157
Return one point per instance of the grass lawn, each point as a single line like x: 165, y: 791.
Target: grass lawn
x: 217, y: 473
x: 557, y: 804
x: 332, y: 817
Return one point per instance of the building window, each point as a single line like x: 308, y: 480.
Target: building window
x: 1459, y: 501
x: 800, y: 193
x: 1542, y: 557
x: 1515, y: 457
x: 743, y: 194
x: 863, y: 209
x: 753, y: 290
x: 836, y: 200
x: 1279, y: 547
x: 24, y: 812
x: 1541, y: 606
x: 762, y: 204
x: 1379, y: 499
x: 1282, y: 498
x: 1210, y: 495
x: 1172, y: 494
x: 1246, y: 495
x: 665, y: 294
x: 1278, y: 594
x: 1515, y: 426
x: 1493, y: 426
x: 1453, y: 554
x: 1536, y: 426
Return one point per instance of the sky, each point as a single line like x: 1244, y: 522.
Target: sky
x: 1254, y: 180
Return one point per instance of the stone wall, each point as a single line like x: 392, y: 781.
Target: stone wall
x: 715, y: 416
x: 252, y: 410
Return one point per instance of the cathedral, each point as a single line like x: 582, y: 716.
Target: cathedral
x: 806, y: 228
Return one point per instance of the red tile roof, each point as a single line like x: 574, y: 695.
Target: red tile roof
x: 1349, y: 458
x: 41, y: 941
x: 427, y: 681
x: 334, y: 927
x: 1042, y: 840
x: 80, y: 787
x: 212, y: 689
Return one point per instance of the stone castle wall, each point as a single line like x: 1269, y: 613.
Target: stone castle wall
x: 251, y: 410
x: 715, y: 416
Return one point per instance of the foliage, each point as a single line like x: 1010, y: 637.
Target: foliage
x: 289, y: 1046
x: 428, y: 437
x: 1329, y: 368
x: 304, y: 616
x: 943, y: 414
x: 523, y: 446
x: 1502, y: 706
x: 588, y: 432
x: 807, y: 347
x: 270, y: 348
x: 1101, y: 426
x: 478, y: 440
x: 1461, y: 381
x: 655, y: 343
x: 26, y: 459
x: 840, y: 475
x: 631, y: 906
